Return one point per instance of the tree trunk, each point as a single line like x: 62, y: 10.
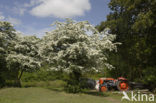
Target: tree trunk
x: 17, y: 83
x: 20, y: 75
x: 18, y: 79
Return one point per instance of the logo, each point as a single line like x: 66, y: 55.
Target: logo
x: 137, y: 97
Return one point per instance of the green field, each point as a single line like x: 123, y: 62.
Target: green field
x: 45, y: 95
x: 42, y: 95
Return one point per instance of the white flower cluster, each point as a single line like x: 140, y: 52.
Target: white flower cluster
x: 70, y: 46
x: 19, y: 52
x: 25, y: 53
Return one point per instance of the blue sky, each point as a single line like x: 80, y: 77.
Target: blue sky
x: 33, y: 17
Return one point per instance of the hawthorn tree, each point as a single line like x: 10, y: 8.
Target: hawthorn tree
x: 76, y: 48
x: 24, y: 57
x: 7, y: 35
x: 18, y: 53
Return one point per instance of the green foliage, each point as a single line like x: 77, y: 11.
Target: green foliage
x: 43, y: 75
x: 73, y: 88
x: 18, y: 53
x: 55, y: 84
x: 150, y: 78
x: 134, y: 23
x: 73, y: 82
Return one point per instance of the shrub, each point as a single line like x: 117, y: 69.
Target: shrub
x: 150, y: 78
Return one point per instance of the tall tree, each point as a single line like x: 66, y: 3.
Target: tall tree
x: 134, y: 23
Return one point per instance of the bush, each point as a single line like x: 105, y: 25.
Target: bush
x: 2, y: 82
x: 43, y: 75
x: 150, y: 78
x: 73, y: 82
x: 73, y: 88
x: 47, y: 84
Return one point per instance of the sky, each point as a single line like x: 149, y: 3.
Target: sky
x: 34, y: 17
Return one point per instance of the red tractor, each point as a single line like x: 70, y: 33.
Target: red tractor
x: 106, y: 84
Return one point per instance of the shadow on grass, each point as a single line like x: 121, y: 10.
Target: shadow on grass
x: 88, y: 92
x: 95, y: 93
x: 56, y: 89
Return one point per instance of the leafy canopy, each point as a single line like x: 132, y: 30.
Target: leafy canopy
x: 17, y: 52
x: 77, y: 45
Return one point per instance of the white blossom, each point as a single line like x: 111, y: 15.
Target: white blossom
x: 69, y: 46
x: 20, y: 52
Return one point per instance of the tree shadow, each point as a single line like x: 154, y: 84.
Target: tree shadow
x: 96, y: 93
x: 88, y: 92
x: 56, y: 89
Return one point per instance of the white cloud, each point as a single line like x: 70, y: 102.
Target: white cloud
x: 14, y: 21
x: 61, y: 8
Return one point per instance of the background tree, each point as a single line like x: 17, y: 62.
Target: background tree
x: 7, y: 36
x: 17, y: 54
x: 134, y: 23
x: 24, y: 56
x: 77, y: 48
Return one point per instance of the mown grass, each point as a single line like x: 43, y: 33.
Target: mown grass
x: 42, y: 95
x: 52, y: 92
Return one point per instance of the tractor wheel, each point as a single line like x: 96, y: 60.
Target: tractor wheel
x: 122, y: 86
x: 104, y: 89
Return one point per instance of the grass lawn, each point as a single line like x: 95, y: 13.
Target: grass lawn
x: 44, y: 95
